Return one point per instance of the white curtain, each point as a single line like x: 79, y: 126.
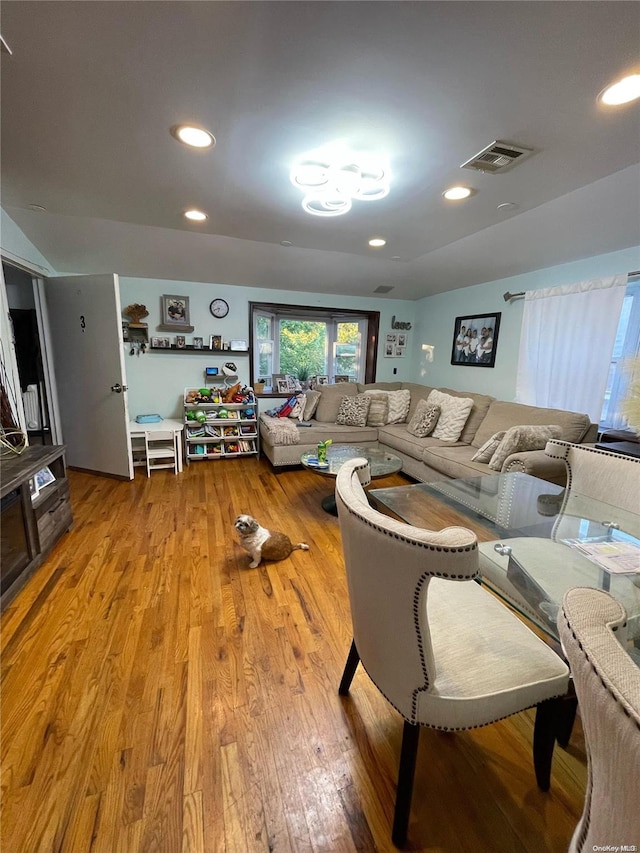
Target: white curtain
x: 568, y: 334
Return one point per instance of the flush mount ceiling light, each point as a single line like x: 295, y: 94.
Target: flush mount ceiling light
x: 377, y: 242
x: 334, y: 177
x: 195, y: 215
x: 457, y: 193
x: 625, y: 90
x: 194, y: 137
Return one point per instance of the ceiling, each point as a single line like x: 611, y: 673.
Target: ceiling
x: 92, y: 88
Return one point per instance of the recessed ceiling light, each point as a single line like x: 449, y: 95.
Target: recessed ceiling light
x: 195, y: 137
x: 625, y: 90
x: 457, y: 193
x: 286, y: 243
x: 377, y: 242
x: 38, y: 208
x: 507, y: 205
x: 195, y: 215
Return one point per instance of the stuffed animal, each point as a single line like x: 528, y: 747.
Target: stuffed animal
x: 230, y: 393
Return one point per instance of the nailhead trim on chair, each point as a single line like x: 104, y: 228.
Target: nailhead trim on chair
x: 444, y: 548
x: 587, y: 818
x: 583, y: 449
x: 594, y: 668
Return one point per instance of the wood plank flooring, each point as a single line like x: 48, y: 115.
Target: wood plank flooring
x: 159, y: 696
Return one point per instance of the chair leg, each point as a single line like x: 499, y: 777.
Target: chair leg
x: 544, y: 737
x: 349, y: 670
x: 567, y: 717
x: 408, y: 753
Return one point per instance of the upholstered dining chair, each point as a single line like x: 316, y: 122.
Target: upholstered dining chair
x: 607, y: 683
x: 441, y: 649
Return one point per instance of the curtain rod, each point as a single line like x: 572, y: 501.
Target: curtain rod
x: 509, y: 296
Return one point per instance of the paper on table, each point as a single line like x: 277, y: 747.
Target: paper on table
x: 616, y: 557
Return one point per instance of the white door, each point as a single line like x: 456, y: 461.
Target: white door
x: 86, y: 335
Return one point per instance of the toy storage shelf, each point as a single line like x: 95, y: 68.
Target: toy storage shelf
x: 230, y: 430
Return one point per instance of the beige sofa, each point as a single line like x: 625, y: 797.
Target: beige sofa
x: 429, y: 459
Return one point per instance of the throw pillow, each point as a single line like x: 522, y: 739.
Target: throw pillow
x: 454, y: 412
x: 330, y: 399
x: 312, y: 399
x: 378, y: 410
x: 283, y: 411
x: 424, y: 419
x: 399, y: 402
x: 297, y: 412
x: 353, y: 411
x: 519, y: 438
x: 484, y: 453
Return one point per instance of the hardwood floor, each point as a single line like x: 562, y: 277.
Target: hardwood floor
x: 158, y: 695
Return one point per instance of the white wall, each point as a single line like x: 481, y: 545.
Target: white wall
x: 156, y: 380
x: 436, y: 316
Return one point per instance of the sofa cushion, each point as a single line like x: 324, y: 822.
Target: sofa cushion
x: 487, y: 450
x: 417, y: 392
x: 397, y: 437
x: 503, y: 415
x: 455, y: 461
x: 330, y: 399
x: 379, y: 386
x: 424, y: 419
x: 378, y: 410
x: 481, y: 403
x: 399, y: 402
x: 523, y: 437
x: 353, y: 411
x: 454, y: 412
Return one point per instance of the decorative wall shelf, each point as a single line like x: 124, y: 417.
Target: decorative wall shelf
x: 200, y: 350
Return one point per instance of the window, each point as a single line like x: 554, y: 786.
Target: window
x: 626, y: 346
x: 307, y: 341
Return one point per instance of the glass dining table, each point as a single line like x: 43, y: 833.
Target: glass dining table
x: 536, y: 541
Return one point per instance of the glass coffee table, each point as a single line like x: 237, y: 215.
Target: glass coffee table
x: 535, y: 542
x: 381, y: 463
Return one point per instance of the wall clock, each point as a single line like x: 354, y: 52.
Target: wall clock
x: 219, y: 308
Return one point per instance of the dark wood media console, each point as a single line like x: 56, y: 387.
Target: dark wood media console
x: 31, y: 524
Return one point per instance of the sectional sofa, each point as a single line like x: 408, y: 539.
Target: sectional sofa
x: 427, y: 459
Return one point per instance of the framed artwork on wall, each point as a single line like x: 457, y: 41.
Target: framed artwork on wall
x: 174, y: 312
x: 395, y: 345
x: 475, y: 340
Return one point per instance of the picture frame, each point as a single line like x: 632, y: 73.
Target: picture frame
x: 238, y: 345
x: 34, y: 489
x: 322, y: 380
x: 181, y: 342
x: 43, y: 478
x: 340, y: 377
x: 215, y: 342
x: 282, y: 386
x: 475, y: 340
x: 175, y: 313
x: 198, y: 343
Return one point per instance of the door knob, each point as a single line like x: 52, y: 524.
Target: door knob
x: 118, y: 388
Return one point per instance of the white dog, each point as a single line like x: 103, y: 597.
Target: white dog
x: 262, y: 543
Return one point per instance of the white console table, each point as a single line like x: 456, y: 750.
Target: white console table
x: 137, y: 431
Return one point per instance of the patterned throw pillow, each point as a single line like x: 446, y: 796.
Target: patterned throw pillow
x: 519, y: 438
x: 424, y: 419
x: 484, y: 453
x: 454, y: 412
x: 353, y: 411
x: 378, y: 410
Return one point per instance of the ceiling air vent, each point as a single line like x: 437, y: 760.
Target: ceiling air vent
x: 497, y: 157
